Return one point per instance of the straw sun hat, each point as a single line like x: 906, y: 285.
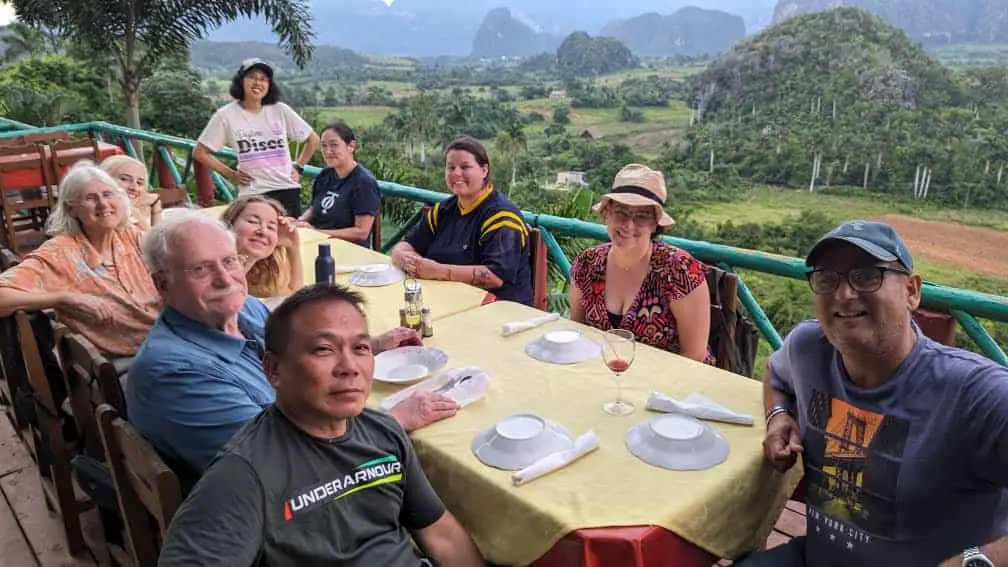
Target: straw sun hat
x: 638, y: 185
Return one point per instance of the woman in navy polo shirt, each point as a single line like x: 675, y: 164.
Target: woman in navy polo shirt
x: 476, y: 236
x: 345, y: 196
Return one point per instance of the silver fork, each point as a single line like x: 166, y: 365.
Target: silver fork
x: 451, y: 384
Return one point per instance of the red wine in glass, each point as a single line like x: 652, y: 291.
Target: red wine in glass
x: 618, y: 365
x: 618, y: 350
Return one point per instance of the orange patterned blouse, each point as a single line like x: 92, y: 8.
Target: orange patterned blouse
x: 71, y: 263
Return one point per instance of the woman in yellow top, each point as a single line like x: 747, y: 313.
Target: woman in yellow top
x: 131, y: 174
x: 269, y: 244
x: 91, y: 272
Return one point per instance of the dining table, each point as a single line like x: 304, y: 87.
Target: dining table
x: 30, y: 176
x: 608, y: 508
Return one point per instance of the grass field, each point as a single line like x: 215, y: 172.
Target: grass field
x: 356, y: 116
x: 767, y: 204
x: 660, y: 123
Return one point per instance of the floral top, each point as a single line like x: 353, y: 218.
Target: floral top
x: 672, y: 275
x: 71, y: 263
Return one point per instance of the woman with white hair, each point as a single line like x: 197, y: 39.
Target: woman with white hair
x: 91, y: 272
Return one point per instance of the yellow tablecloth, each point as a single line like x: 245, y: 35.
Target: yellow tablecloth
x: 383, y: 303
x: 726, y: 510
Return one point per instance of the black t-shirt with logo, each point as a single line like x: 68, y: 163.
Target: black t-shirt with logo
x: 276, y: 496
x: 335, y: 201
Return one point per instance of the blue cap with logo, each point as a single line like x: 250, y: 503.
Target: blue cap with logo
x: 876, y: 238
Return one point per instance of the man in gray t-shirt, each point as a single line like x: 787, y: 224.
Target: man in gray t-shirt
x: 316, y: 479
x: 904, y: 440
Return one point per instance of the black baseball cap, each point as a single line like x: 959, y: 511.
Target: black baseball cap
x: 876, y: 238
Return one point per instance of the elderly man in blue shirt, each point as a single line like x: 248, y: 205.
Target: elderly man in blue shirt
x: 199, y: 377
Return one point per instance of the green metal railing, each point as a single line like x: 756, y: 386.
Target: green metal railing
x: 964, y: 305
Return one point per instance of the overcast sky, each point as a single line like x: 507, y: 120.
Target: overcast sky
x: 6, y: 14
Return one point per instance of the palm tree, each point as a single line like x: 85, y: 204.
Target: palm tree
x: 22, y: 41
x: 511, y: 143
x: 139, y: 33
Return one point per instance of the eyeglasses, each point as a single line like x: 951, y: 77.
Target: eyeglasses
x: 861, y: 280
x: 639, y: 218
x: 230, y: 264
x: 332, y: 146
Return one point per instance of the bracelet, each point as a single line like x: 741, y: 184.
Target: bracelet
x: 774, y: 412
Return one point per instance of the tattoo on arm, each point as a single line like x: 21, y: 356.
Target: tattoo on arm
x: 481, y: 277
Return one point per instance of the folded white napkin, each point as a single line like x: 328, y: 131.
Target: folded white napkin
x: 509, y: 329
x: 556, y: 461
x: 698, y: 406
x: 463, y: 394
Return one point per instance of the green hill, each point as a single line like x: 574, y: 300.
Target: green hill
x: 844, y: 55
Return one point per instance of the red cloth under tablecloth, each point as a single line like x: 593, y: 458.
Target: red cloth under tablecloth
x: 635, y: 546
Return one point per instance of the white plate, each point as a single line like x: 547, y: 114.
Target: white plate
x: 405, y: 365
x: 376, y: 275
x: 563, y: 346
x: 519, y: 440
x: 677, y: 442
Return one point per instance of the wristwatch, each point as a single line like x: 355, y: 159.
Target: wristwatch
x: 299, y: 167
x: 973, y: 557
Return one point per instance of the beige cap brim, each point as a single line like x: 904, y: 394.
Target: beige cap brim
x: 631, y: 200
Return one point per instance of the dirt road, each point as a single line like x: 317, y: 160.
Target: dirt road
x: 981, y: 250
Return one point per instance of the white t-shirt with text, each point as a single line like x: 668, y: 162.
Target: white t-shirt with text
x: 260, y: 140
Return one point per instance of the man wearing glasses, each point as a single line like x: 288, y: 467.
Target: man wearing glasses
x: 199, y: 377
x: 904, y: 441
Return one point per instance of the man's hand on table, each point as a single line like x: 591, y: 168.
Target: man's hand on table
x: 422, y: 409
x: 782, y: 443
x: 398, y: 337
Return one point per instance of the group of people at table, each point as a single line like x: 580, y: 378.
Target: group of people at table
x: 267, y: 409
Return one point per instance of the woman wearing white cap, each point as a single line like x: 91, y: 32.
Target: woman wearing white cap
x: 257, y: 126
x: 636, y: 282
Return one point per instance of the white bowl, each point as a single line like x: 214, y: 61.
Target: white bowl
x: 563, y: 346
x: 677, y: 442
x: 406, y: 365
x: 376, y: 275
x: 519, y: 440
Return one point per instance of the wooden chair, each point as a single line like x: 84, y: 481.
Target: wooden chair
x: 90, y: 381
x: 729, y: 330
x: 35, y: 139
x: 539, y: 258
x: 64, y: 154
x: 24, y: 208
x: 51, y: 449
x: 15, y: 391
x: 147, y: 489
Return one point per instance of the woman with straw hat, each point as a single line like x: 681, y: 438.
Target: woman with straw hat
x: 637, y: 282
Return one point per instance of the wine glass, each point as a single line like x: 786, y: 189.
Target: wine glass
x: 618, y: 350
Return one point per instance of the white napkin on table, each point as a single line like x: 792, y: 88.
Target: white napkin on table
x: 698, y: 406
x: 514, y: 327
x: 349, y: 268
x: 463, y: 394
x: 556, y: 461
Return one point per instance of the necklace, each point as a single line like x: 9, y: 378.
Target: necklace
x: 644, y: 259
